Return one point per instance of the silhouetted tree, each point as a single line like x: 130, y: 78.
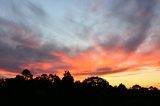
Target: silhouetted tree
x: 93, y: 91
x: 136, y: 87
x: 20, y: 77
x: 37, y: 78
x: 121, y: 90
x: 56, y: 79
x: 51, y: 77
x: 122, y: 87
x: 78, y: 82
x: 44, y: 77
x: 96, y: 81
x: 66, y: 73
x: 68, y: 78
x: 1, y: 81
x: 27, y: 74
x: 153, y: 88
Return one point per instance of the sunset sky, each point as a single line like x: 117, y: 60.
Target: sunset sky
x: 118, y: 40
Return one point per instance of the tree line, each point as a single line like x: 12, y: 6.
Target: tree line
x: 94, y: 91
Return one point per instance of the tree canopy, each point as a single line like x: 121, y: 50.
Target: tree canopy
x: 93, y: 90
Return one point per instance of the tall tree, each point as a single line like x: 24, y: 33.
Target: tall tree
x: 68, y: 78
x: 96, y: 81
x: 27, y: 74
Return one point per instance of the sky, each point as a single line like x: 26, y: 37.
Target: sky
x: 117, y: 40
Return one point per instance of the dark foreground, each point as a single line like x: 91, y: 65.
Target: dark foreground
x: 52, y: 91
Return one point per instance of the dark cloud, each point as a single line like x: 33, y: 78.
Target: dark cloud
x: 22, y: 42
x: 140, y: 19
x: 111, y: 42
x: 135, y: 16
x: 20, y: 46
x: 21, y: 38
x: 24, y: 12
x: 102, y: 71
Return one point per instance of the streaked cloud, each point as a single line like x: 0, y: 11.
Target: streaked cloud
x: 90, y: 38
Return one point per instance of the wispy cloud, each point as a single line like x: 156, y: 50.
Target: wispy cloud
x: 101, y: 71
x: 103, y: 37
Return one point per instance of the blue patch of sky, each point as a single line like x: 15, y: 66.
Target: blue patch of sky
x: 73, y: 22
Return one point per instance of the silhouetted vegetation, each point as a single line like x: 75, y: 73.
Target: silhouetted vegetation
x: 92, y: 91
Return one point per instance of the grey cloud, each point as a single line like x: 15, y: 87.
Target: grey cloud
x: 20, y: 46
x: 102, y: 71
x: 138, y: 14
x: 21, y: 39
x: 134, y: 17
x: 111, y: 42
x: 24, y: 12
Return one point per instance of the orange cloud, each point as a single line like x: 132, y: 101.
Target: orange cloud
x: 91, y: 62
x: 6, y: 73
